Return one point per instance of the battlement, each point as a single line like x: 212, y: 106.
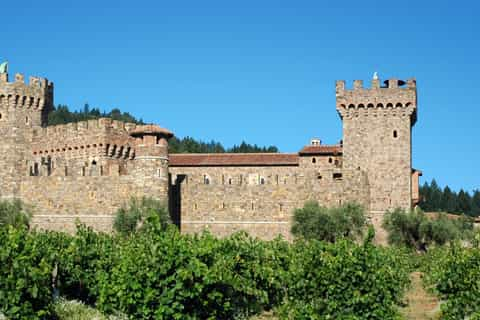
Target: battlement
x: 101, y: 125
x: 389, y: 84
x: 36, y: 94
x: 393, y: 94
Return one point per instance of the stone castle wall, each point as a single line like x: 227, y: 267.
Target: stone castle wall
x: 259, y: 200
x: 87, y: 170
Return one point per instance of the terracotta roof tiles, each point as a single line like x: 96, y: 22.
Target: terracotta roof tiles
x: 233, y: 159
x: 321, y: 149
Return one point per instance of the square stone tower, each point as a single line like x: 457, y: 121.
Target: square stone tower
x: 377, y: 125
x: 23, y: 107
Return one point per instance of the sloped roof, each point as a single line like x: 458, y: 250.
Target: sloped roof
x: 233, y: 159
x: 151, y: 129
x: 321, y: 149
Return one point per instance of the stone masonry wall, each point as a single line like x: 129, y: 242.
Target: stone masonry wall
x: 235, y: 198
x: 58, y: 201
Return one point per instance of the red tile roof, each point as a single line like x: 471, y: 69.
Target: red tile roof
x: 233, y: 159
x: 150, y: 129
x: 321, y: 149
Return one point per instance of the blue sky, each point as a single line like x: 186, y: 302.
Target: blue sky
x: 260, y: 71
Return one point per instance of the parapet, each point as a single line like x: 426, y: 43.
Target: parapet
x: 394, y: 93
x: 36, y: 94
x: 101, y: 125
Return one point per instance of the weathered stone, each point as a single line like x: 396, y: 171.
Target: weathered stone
x: 85, y: 171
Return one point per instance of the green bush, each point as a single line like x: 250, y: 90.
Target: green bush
x: 343, y: 281
x: 14, y: 213
x: 415, y: 230
x: 173, y: 276
x: 137, y: 212
x: 316, y: 222
x: 25, y: 275
x: 455, y: 276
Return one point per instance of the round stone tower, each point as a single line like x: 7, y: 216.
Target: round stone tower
x: 151, y: 160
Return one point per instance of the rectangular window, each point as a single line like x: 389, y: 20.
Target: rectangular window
x: 337, y: 176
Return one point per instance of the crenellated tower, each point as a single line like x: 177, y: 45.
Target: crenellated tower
x: 23, y: 106
x: 377, y: 123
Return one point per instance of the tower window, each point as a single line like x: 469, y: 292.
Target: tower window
x: 337, y: 176
x: 262, y: 180
x: 395, y: 134
x: 330, y: 160
x: 206, y: 179
x: 314, y: 160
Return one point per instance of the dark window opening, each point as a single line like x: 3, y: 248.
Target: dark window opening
x: 330, y: 160
x: 337, y: 176
x: 395, y: 135
x: 230, y: 181
x: 319, y: 177
x: 314, y: 160
x: 206, y: 180
x: 262, y: 181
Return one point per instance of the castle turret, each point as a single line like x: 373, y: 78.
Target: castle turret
x: 377, y: 124
x: 151, y: 160
x: 22, y: 107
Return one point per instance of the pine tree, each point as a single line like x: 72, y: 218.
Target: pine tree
x: 449, y: 200
x: 464, y: 204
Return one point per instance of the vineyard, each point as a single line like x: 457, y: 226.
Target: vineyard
x: 161, y: 274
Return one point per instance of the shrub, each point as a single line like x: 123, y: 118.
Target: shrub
x: 25, y: 275
x: 133, y: 216
x: 316, y: 222
x: 456, y: 280
x: 415, y: 230
x: 343, y: 281
x: 173, y: 276
x: 14, y: 213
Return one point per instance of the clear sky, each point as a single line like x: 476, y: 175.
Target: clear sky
x: 260, y: 71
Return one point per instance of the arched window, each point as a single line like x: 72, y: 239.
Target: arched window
x: 395, y: 134
x: 314, y: 160
x: 330, y: 160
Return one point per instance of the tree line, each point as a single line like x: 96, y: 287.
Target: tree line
x: 434, y: 198
x: 61, y: 114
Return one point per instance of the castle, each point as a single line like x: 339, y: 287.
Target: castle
x: 87, y: 170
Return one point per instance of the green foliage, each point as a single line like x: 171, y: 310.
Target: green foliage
x: 434, y: 199
x: 316, y: 222
x: 25, y: 275
x: 343, y: 281
x: 455, y: 276
x: 171, y: 276
x: 14, y: 213
x: 414, y: 229
x: 136, y: 215
x: 190, y: 145
x: 62, y: 115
